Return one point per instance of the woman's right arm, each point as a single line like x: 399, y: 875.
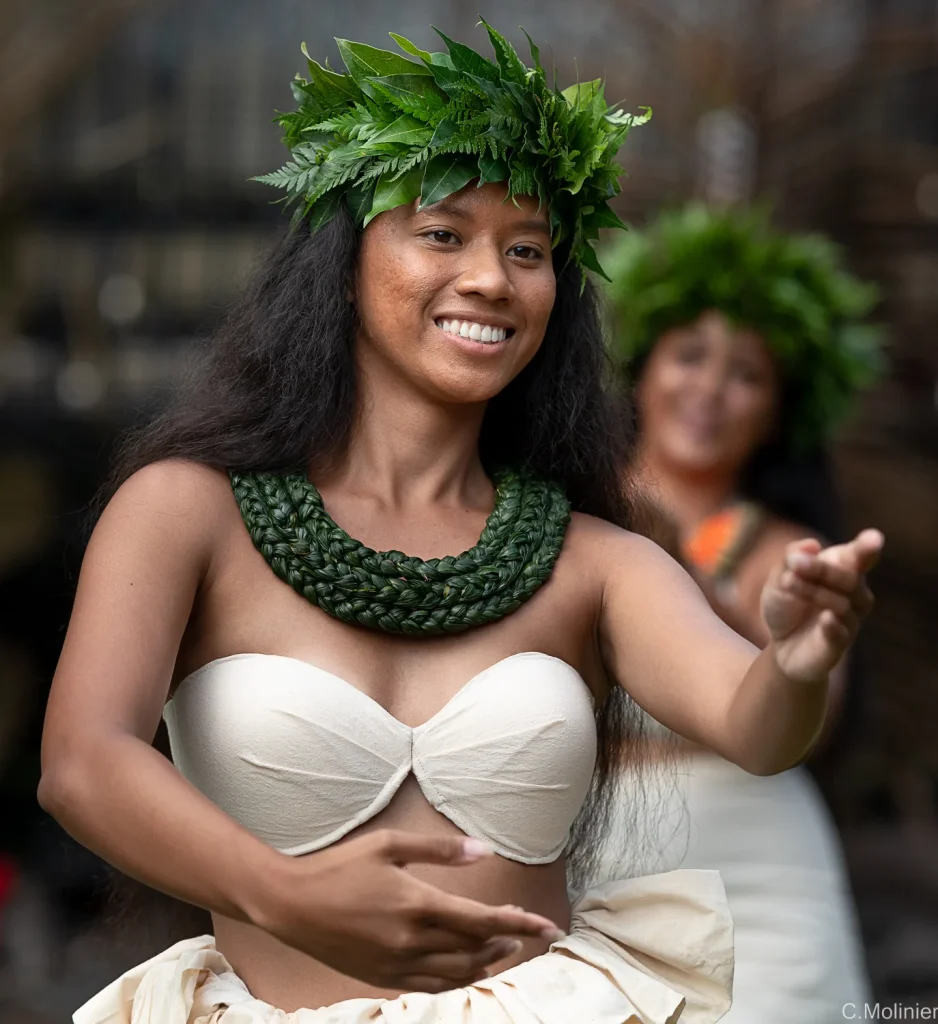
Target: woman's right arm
x: 102, y: 780
x: 152, y: 551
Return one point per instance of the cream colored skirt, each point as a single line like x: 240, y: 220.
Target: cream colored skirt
x: 651, y: 950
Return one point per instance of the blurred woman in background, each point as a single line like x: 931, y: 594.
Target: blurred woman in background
x: 744, y: 346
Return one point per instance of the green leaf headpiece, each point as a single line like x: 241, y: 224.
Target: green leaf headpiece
x: 791, y: 289
x: 394, y: 129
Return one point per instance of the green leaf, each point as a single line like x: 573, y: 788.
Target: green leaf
x: 445, y: 175
x: 394, y: 191
x: 448, y: 78
x: 359, y: 198
x: 445, y: 130
x: 330, y: 83
x: 602, y: 216
x: 405, y: 131
x: 492, y: 169
x: 583, y: 93
x: 323, y: 210
x: 417, y: 94
x: 428, y: 58
x: 408, y: 47
x: 508, y: 60
x: 466, y: 59
x: 364, y: 62
x: 535, y: 52
x: 586, y: 256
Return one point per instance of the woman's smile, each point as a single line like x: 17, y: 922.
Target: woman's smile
x: 481, y: 337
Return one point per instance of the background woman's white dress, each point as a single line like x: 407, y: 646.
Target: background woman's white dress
x: 799, y: 957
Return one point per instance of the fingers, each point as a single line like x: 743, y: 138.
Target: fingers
x: 860, y: 555
x: 464, y: 968
x: 868, y: 547
x: 468, y: 917
x: 841, y: 606
x: 826, y: 583
x: 836, y: 631
x: 409, y: 848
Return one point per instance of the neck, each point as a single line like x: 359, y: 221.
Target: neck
x: 688, y: 498
x: 406, y: 450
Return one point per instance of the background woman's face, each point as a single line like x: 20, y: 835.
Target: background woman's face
x: 708, y: 396
x: 455, y: 299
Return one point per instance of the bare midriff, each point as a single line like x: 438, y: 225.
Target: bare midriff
x: 290, y: 980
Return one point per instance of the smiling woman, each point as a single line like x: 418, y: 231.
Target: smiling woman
x: 745, y: 345
x: 378, y: 757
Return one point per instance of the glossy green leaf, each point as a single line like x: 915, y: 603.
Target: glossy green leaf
x: 364, y: 62
x: 394, y: 191
x: 406, y: 130
x: 445, y: 175
x: 466, y: 59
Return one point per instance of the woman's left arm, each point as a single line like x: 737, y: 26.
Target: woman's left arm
x: 763, y: 711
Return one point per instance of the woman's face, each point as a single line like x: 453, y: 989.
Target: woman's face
x: 454, y: 299
x: 708, y: 396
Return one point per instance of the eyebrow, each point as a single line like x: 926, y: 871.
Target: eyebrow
x: 454, y: 210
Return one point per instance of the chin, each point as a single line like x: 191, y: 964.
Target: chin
x: 696, y: 458
x: 465, y: 389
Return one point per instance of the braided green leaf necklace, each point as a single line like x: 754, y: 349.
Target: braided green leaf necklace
x: 389, y: 590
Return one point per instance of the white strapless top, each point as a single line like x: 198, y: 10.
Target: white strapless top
x: 300, y: 757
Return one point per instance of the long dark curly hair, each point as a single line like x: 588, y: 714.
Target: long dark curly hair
x: 275, y: 389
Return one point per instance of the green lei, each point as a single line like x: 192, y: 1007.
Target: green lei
x: 390, y: 591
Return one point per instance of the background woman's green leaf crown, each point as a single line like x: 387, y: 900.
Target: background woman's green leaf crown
x: 792, y: 289
x: 394, y: 129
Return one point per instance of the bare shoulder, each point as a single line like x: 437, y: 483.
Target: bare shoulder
x: 612, y: 550
x: 174, y: 501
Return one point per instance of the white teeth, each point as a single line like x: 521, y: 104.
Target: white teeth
x: 483, y: 333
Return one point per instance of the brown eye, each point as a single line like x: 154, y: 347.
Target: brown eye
x: 442, y: 236
x: 526, y: 252
x: 691, y: 355
x: 748, y: 374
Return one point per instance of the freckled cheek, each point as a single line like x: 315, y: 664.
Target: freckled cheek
x: 403, y: 294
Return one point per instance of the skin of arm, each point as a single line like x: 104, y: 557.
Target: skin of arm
x: 147, y: 557
x: 688, y: 669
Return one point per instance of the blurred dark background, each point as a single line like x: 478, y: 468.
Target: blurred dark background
x: 127, y: 132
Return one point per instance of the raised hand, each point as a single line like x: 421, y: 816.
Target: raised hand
x: 354, y: 907
x: 813, y: 604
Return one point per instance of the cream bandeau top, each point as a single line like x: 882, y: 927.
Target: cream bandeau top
x: 300, y: 757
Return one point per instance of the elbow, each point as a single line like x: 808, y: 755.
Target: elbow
x: 764, y: 764
x: 59, y: 792
x: 50, y: 793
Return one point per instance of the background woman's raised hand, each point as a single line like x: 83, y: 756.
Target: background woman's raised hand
x: 355, y: 907
x: 814, y: 603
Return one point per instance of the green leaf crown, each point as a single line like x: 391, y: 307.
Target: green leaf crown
x: 792, y: 289
x: 394, y: 129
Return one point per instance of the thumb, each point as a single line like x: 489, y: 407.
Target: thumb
x: 408, y: 848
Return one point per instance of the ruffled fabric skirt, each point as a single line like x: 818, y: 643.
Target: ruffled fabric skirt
x: 651, y: 950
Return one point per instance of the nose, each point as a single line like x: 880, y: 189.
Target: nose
x: 711, y: 380
x: 484, y: 273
